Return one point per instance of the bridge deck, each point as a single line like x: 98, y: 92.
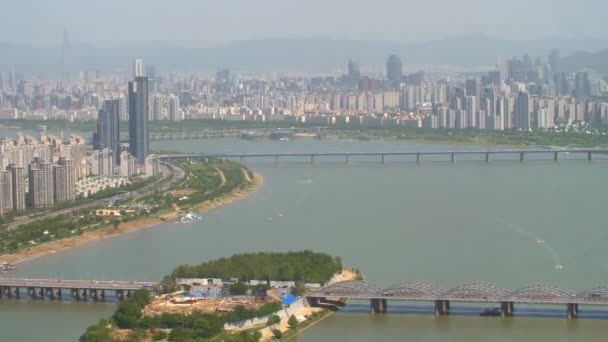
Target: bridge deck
x: 78, y: 284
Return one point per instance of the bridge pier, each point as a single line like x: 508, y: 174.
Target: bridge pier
x: 572, y: 311
x: 378, y: 306
x: 487, y: 157
x: 589, y: 156
x: 312, y: 159
x: 94, y: 294
x: 442, y: 307
x: 242, y: 160
x: 33, y: 293
x: 506, y: 309
x: 276, y: 160
x: 521, y: 157
x: 556, y: 156
x: 418, y: 155
x: 347, y: 159
x: 453, y: 158
x: 120, y: 295
x: 382, y: 160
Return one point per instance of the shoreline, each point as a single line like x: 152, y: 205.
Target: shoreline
x: 53, y: 247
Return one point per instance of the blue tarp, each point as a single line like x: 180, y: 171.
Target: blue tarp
x: 286, y: 300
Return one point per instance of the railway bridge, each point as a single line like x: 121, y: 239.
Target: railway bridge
x: 477, y: 292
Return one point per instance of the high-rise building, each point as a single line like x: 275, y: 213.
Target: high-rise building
x: 138, y: 68
x: 108, y: 128
x: 157, y: 107
x: 353, y: 70
x: 471, y: 110
x: 582, y: 85
x: 393, y: 69
x: 6, y: 192
x: 554, y: 61
x: 522, y: 113
x: 173, y: 108
x: 18, y: 186
x: 128, y: 167
x: 138, y: 119
x: 41, y: 184
x: 65, y: 180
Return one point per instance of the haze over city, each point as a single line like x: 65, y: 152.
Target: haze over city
x: 193, y: 23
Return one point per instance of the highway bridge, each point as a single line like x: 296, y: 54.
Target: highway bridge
x: 76, y: 290
x: 451, y: 156
x: 469, y: 293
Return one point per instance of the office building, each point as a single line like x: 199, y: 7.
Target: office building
x: 138, y: 119
x: 6, y: 192
x: 138, y: 68
x: 65, y: 180
x: 522, y: 113
x: 108, y: 128
x: 393, y: 69
x: 173, y: 108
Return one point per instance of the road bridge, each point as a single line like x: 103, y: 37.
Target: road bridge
x: 478, y: 292
x: 451, y: 156
x: 75, y: 290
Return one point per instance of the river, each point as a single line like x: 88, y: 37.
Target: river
x: 449, y: 223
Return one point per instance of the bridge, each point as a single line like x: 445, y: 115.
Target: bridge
x: 468, y: 293
x: 450, y: 156
x: 75, y: 290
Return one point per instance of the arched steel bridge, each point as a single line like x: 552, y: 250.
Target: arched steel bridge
x: 478, y: 292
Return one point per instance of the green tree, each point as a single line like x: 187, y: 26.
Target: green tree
x: 278, y: 335
x: 273, y: 320
x: 292, y: 322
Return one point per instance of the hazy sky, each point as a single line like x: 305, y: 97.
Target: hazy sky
x: 204, y: 22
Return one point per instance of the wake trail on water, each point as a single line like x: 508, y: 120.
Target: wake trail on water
x: 528, y: 235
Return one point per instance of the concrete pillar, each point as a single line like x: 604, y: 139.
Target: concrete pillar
x: 276, y: 160
x: 555, y: 156
x: 572, y: 311
x: 102, y: 295
x: 506, y: 309
x: 120, y: 295
x: 242, y: 160
x: 453, y: 159
x: 75, y: 295
x: 15, y: 293
x: 312, y: 159
x: 347, y: 159
x: 589, y: 156
x: 418, y: 158
x: 94, y: 295
x: 442, y: 307
x: 32, y: 293
x: 521, y: 156
x: 487, y: 157
x: 382, y: 161
x: 378, y: 306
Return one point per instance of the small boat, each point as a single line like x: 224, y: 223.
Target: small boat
x: 558, y: 267
x: 280, y: 215
x: 269, y: 219
x: 540, y: 243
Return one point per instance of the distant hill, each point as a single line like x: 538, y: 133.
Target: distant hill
x: 597, y: 61
x: 305, y: 54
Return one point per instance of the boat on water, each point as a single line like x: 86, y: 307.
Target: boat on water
x: 7, y: 267
x: 540, y: 243
x: 491, y: 312
x: 558, y: 267
x: 189, y: 217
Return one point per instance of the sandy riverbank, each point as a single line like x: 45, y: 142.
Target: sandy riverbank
x: 123, y: 228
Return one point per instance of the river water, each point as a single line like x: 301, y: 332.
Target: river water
x: 448, y: 223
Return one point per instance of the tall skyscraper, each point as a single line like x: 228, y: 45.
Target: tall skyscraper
x: 41, y: 184
x: 108, y: 128
x: 554, y: 61
x: 353, y: 70
x: 138, y: 68
x: 65, y: 56
x: 138, y: 119
x: 471, y: 110
x: 393, y: 69
x: 18, y: 185
x: 522, y: 112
